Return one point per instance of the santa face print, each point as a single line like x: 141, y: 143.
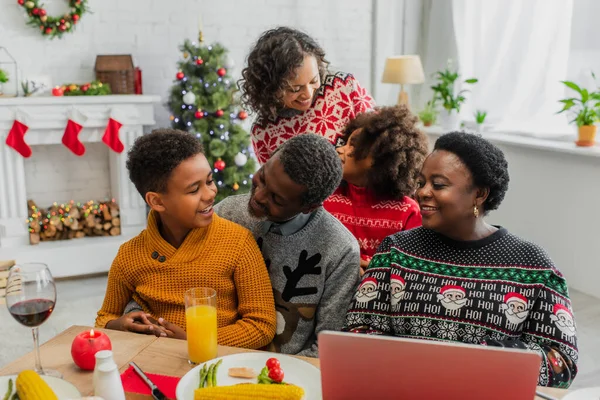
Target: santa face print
x: 367, y: 291
x: 452, y: 298
x: 397, y: 291
x: 515, y: 308
x: 563, y: 319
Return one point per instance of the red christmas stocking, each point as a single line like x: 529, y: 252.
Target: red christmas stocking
x: 111, y: 136
x: 70, y: 139
x: 16, y: 140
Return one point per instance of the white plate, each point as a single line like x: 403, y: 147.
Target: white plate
x: 584, y: 394
x: 296, y: 371
x: 61, y: 388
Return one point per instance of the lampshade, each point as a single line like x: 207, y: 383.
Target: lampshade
x: 404, y: 70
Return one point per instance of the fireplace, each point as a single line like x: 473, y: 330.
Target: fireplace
x: 54, y: 174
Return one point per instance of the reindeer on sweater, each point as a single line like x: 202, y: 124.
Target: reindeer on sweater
x: 290, y: 313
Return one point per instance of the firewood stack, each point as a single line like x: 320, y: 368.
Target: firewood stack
x: 4, y: 267
x: 73, y: 221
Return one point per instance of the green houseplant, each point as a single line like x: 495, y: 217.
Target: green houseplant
x: 585, y: 108
x: 3, y: 79
x: 480, y: 116
x: 444, y: 91
x: 428, y: 115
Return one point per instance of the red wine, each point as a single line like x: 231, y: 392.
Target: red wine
x: 32, y: 312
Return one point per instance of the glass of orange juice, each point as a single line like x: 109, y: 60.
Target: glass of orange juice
x: 201, y: 321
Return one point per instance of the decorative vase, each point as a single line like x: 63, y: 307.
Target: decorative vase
x: 449, y: 120
x: 587, y: 135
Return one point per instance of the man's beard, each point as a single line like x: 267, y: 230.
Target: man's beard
x: 365, y: 297
x: 452, y: 304
x: 515, y: 317
x: 251, y: 211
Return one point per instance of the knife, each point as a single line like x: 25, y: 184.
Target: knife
x: 156, y: 393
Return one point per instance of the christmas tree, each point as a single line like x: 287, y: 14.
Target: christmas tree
x: 203, y: 102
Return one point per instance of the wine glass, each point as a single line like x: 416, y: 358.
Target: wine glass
x: 30, y: 297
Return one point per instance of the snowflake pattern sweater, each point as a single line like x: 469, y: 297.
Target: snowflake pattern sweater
x: 223, y: 256
x: 371, y: 220
x: 500, y: 290
x: 339, y: 99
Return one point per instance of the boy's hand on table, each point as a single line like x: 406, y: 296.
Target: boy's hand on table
x: 138, y: 322
x: 172, y: 330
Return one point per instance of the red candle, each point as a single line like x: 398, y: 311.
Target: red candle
x: 84, y: 348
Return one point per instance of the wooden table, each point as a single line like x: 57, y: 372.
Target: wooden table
x: 153, y: 355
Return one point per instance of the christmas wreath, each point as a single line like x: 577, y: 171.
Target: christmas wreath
x: 54, y: 26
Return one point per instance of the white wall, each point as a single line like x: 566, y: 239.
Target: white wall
x: 151, y: 30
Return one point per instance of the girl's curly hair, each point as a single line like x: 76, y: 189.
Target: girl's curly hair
x: 273, y: 60
x: 398, y: 148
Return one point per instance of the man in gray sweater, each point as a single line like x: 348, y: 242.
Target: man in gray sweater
x: 313, y: 260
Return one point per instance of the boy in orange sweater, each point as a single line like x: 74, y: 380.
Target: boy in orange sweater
x: 186, y: 245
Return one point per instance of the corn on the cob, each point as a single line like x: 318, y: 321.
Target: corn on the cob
x: 30, y: 386
x: 249, y: 391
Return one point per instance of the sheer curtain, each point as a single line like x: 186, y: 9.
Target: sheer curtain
x: 519, y: 51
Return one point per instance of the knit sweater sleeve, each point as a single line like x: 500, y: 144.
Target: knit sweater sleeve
x: 372, y: 316
x: 118, y: 293
x: 256, y: 307
x: 550, y: 331
x: 337, y: 294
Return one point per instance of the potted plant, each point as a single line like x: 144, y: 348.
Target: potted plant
x: 585, y: 110
x: 480, y: 119
x: 3, y: 79
x: 444, y: 91
x: 428, y: 115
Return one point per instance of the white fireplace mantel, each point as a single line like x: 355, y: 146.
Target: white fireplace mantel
x: 46, y: 118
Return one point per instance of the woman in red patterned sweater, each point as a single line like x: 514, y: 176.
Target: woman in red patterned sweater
x: 382, y: 156
x: 287, y: 85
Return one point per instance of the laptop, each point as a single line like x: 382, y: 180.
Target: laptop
x: 358, y: 366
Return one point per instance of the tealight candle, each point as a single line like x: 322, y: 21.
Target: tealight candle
x: 86, y: 345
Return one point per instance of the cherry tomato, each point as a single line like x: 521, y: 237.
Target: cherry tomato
x: 273, y: 363
x: 276, y: 374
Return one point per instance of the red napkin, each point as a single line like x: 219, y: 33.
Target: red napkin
x: 132, y: 383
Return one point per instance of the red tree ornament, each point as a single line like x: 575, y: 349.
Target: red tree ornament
x: 199, y: 114
x: 219, y: 113
x: 57, y: 91
x: 221, y: 71
x: 199, y: 61
x: 180, y: 75
x: 35, y: 11
x: 242, y: 115
x: 21, y: 2
x: 220, y: 164
x: 75, y: 18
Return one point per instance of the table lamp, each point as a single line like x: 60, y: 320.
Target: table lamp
x: 404, y: 70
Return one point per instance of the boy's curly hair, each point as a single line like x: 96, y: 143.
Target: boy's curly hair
x: 154, y: 156
x: 398, y: 148
x: 273, y: 60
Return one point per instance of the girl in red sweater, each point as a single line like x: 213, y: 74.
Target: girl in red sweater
x: 382, y: 156
x: 289, y: 88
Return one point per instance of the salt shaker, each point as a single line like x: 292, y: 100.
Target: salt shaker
x: 102, y: 357
x: 108, y: 383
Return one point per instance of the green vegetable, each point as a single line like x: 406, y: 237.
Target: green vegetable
x: 203, y: 372
x: 10, y: 389
x: 209, y: 379
x: 214, y: 376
